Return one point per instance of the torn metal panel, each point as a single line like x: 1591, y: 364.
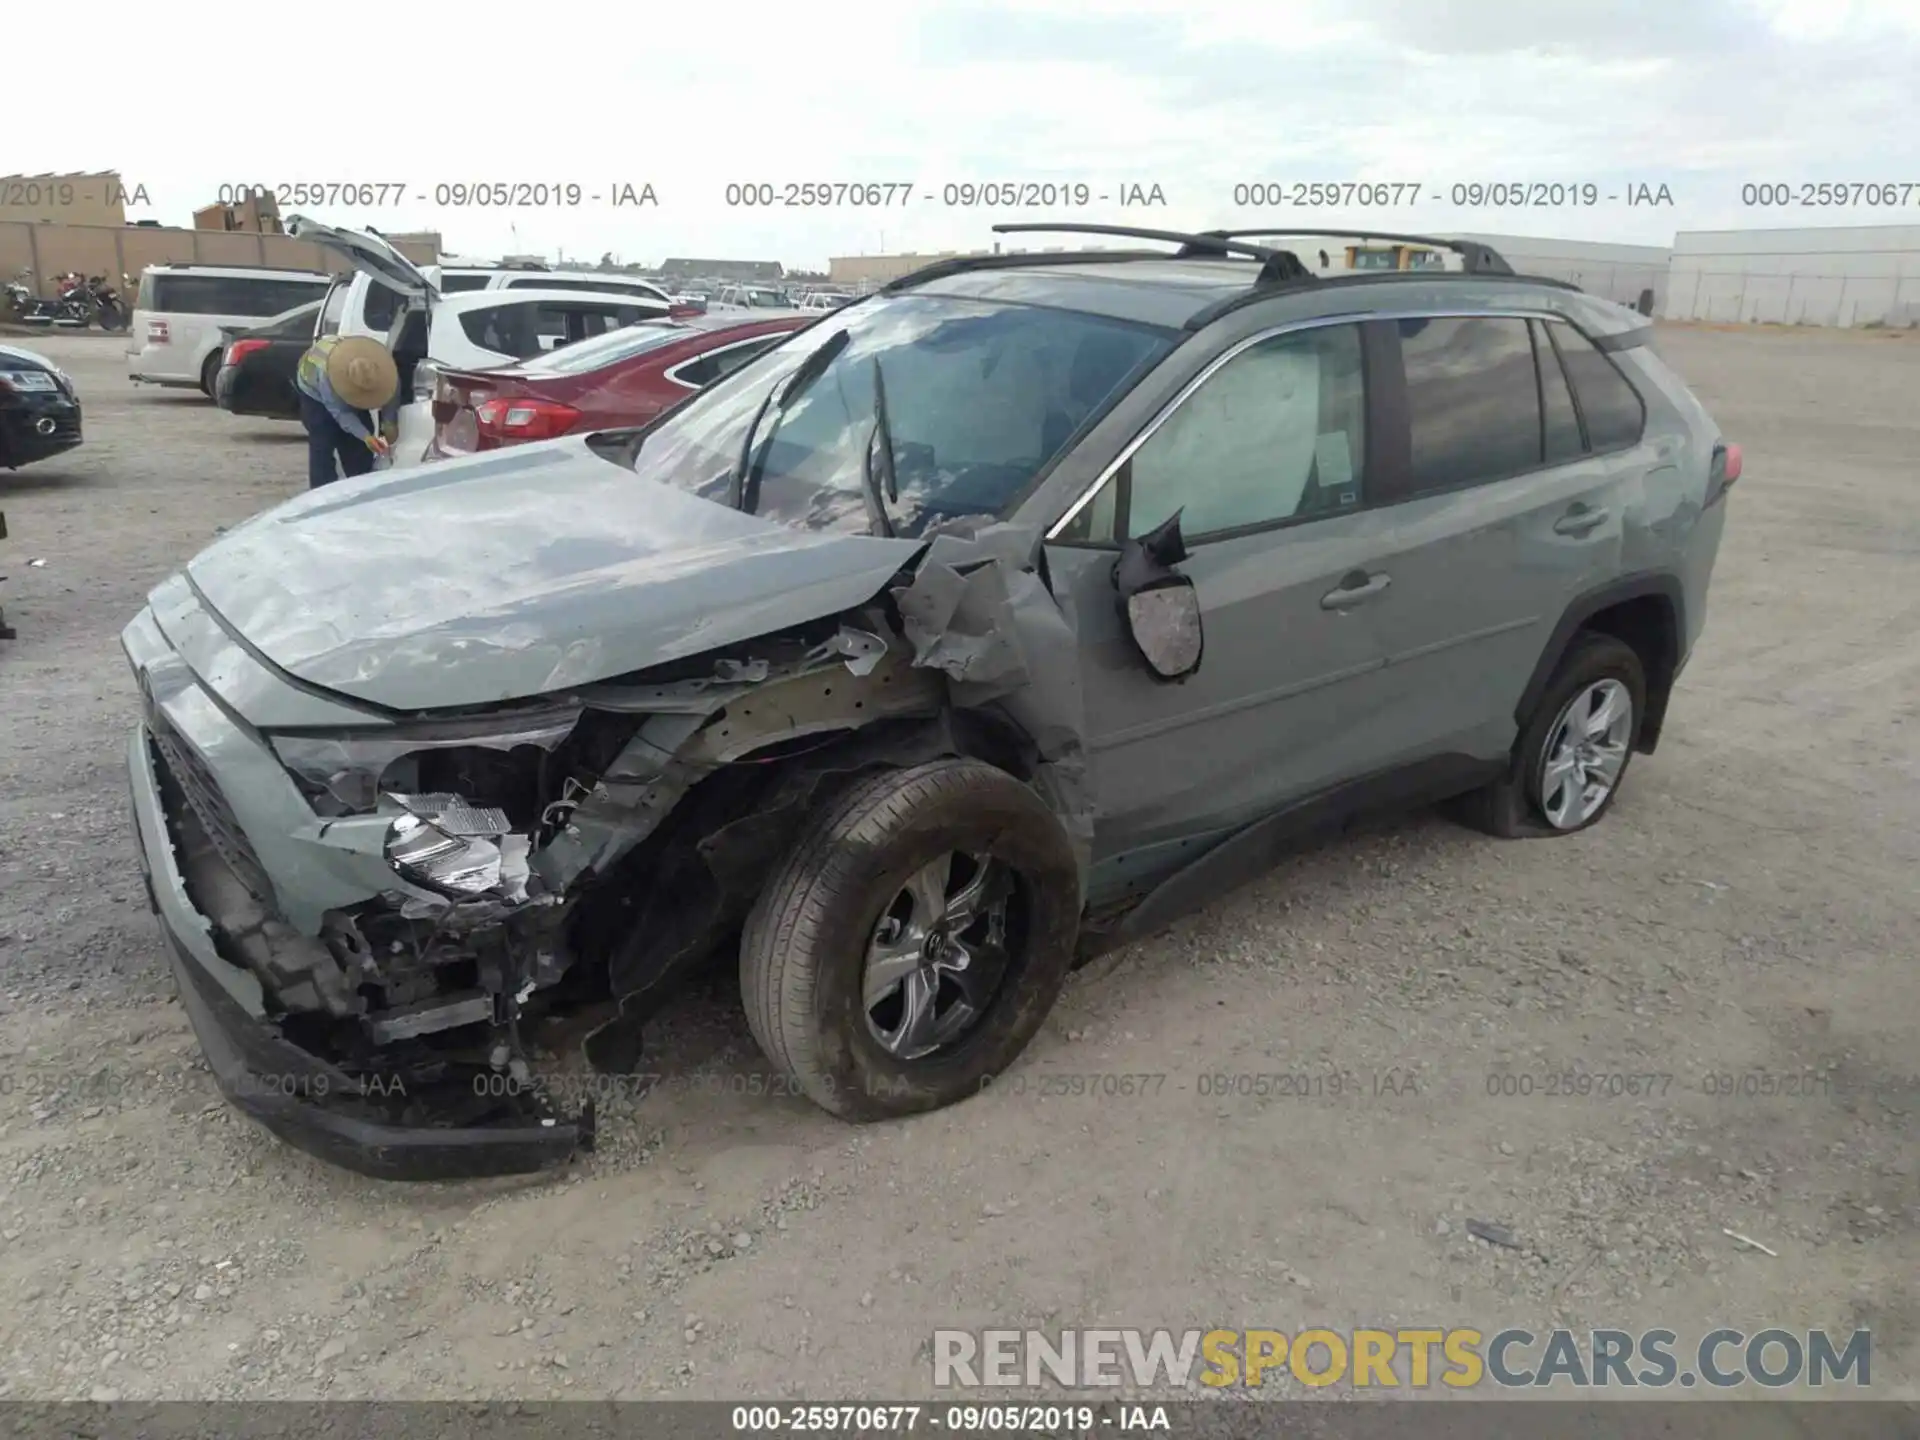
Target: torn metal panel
x: 699, y: 893
x: 823, y: 692
x: 978, y: 611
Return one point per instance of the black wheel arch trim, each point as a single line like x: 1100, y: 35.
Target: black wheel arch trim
x: 1661, y: 670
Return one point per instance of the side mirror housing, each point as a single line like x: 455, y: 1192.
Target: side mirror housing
x: 1158, y: 605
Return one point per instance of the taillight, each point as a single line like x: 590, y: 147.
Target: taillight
x: 157, y: 332
x: 1726, y: 470
x: 682, y: 312
x: 524, y: 419
x: 240, y: 349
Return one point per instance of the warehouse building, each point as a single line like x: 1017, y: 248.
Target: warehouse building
x: 1622, y: 273
x: 1857, y: 275
x: 1618, y: 272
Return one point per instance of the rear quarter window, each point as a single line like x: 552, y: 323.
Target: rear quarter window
x: 502, y: 329
x: 382, y: 306
x: 1610, y: 408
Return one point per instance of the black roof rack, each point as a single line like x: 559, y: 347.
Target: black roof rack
x: 1475, y: 258
x: 960, y: 264
x: 1276, y: 266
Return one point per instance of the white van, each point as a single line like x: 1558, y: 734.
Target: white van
x: 369, y: 307
x: 174, y: 337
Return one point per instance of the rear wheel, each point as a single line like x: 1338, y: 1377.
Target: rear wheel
x: 209, y: 373
x: 913, y: 941
x: 1574, y: 749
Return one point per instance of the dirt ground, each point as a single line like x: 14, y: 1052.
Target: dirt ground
x: 1749, y: 909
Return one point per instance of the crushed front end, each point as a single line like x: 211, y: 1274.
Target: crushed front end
x: 369, y: 915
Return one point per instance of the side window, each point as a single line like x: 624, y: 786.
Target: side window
x: 1277, y: 433
x: 454, y: 284
x: 1611, y: 408
x: 1559, y: 421
x: 282, y: 295
x: 298, y: 325
x: 503, y: 329
x: 718, y: 364
x: 1473, y: 400
x: 382, y: 305
x: 725, y: 362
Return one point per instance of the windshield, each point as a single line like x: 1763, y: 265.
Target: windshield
x: 980, y: 397
x: 598, y: 350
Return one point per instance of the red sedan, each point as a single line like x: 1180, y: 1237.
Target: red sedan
x: 622, y: 378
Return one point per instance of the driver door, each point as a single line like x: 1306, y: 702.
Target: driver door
x: 1265, y: 459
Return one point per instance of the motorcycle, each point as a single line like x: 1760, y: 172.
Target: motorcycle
x: 19, y: 296
x: 105, y: 303
x: 81, y: 301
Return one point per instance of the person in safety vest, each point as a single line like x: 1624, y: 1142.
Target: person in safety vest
x: 344, y: 382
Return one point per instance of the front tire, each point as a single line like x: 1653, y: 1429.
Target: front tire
x: 1573, y: 751
x: 913, y: 941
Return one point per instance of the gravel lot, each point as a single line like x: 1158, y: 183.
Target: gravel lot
x: 1748, y: 909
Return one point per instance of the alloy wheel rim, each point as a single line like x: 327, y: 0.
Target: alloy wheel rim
x: 937, y: 955
x: 1586, y: 751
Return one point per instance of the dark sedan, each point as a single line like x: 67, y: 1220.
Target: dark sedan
x: 256, y: 373
x: 39, y: 411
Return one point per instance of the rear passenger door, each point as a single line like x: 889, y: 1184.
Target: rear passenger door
x: 1508, y: 502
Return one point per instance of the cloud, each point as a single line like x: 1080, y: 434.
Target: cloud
x: 1197, y: 96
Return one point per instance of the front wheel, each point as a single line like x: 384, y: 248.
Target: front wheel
x: 913, y: 940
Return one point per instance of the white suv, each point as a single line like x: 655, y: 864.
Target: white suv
x: 174, y: 337
x: 429, y: 330
x: 370, y: 305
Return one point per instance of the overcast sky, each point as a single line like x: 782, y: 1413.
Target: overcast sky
x: 1191, y: 96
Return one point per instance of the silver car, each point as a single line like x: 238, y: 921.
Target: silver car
x: 991, y: 621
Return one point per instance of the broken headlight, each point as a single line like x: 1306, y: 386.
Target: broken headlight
x: 462, y: 850
x: 343, y: 772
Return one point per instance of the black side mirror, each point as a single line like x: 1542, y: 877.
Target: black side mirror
x: 1158, y: 605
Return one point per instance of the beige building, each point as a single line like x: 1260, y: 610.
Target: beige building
x: 870, y: 270
x: 879, y: 269
x: 96, y: 198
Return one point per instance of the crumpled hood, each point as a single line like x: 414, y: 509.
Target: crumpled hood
x: 505, y: 576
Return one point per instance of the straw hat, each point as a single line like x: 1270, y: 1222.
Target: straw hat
x: 362, y: 373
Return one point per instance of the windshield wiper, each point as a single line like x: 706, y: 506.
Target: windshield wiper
x: 753, y: 458
x: 880, y: 483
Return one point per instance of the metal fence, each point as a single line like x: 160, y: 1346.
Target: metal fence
x: 1738, y: 297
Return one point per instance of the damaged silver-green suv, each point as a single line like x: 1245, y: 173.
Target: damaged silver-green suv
x: 990, y: 621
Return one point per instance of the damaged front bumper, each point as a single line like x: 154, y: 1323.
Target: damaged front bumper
x: 361, y: 1124
x: 361, y: 978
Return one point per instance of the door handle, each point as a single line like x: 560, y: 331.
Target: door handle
x: 1579, y: 521
x: 1356, y: 588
